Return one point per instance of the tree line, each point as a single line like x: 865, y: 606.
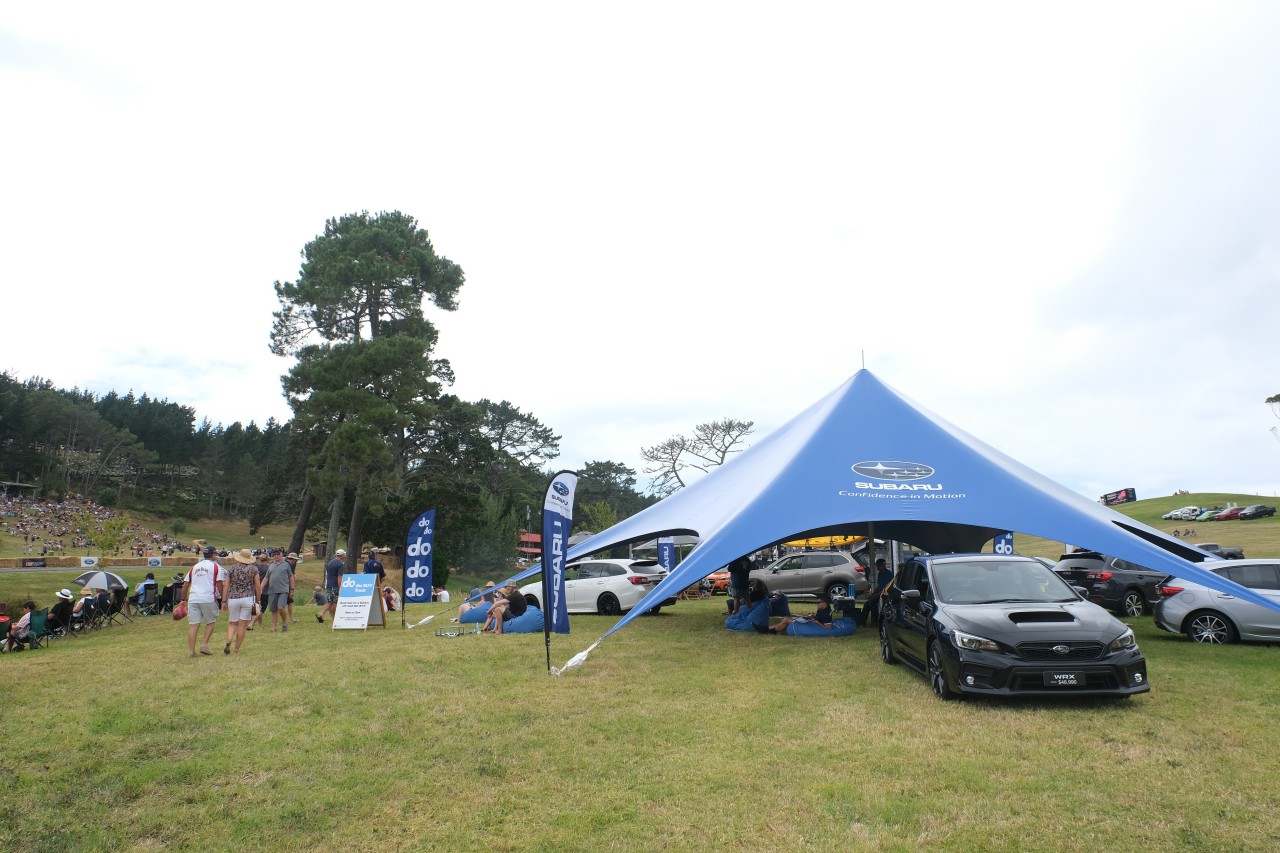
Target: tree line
x: 374, y: 438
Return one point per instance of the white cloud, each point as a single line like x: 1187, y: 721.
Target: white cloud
x: 1053, y: 227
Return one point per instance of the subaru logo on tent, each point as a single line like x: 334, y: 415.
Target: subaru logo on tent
x: 899, y: 471
x: 560, y: 489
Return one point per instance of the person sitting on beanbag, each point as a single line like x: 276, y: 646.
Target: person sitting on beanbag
x: 755, y: 614
x: 820, y: 617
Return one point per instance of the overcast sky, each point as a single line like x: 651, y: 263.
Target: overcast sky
x: 1057, y: 226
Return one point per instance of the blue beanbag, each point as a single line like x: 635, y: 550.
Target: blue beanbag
x: 529, y: 622
x: 476, y: 614
x: 842, y: 627
x: 747, y: 617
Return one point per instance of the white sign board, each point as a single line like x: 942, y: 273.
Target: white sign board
x: 355, y: 598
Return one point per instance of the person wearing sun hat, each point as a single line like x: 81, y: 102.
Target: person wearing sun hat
x: 60, y: 612
x: 240, y: 589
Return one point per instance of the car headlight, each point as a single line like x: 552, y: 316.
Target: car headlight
x: 972, y: 643
x: 1124, y: 641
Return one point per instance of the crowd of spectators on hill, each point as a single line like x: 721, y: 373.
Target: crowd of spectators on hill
x: 51, y: 528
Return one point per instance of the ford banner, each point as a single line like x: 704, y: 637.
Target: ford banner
x: 557, y: 519
x: 418, y: 558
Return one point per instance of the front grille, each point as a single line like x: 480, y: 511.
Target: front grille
x: 1034, y: 682
x: 1045, y: 651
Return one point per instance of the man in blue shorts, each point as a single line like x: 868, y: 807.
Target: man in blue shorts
x: 333, y: 572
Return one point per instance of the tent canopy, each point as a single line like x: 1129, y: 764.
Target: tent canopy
x: 865, y: 458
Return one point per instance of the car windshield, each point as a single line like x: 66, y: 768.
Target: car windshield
x: 998, y: 581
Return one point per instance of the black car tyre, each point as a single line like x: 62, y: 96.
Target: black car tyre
x: 608, y: 605
x: 886, y: 651
x: 1132, y: 604
x: 837, y: 590
x: 533, y: 599
x: 938, y: 675
x: 1205, y: 626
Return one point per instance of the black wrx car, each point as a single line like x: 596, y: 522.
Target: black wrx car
x: 1005, y: 626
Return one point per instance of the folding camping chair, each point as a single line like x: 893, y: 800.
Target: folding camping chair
x: 38, y: 628
x: 94, y: 611
x: 149, y: 605
x: 116, y: 612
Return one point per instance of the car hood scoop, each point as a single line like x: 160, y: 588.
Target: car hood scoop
x: 1023, y: 617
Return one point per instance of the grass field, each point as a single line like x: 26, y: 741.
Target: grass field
x: 674, y: 735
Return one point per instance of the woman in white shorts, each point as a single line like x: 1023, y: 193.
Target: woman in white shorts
x: 240, y: 590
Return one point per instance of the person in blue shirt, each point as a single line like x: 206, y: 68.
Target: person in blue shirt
x: 373, y: 567
x: 139, y: 592
x: 820, y: 617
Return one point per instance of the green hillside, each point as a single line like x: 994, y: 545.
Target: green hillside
x: 1258, y: 538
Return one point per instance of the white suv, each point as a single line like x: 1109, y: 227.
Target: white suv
x: 607, y: 587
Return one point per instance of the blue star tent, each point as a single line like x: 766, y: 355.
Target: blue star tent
x: 864, y: 459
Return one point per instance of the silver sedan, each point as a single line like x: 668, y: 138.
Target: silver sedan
x: 1208, y: 616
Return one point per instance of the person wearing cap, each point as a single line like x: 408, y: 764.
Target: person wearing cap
x: 279, y: 589
x: 60, y: 613
x: 199, y: 593
x: 373, y: 567
x: 390, y: 599
x: 240, y: 588
x: 333, y: 572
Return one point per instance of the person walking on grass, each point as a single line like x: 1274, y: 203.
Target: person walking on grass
x: 279, y: 589
x: 292, y: 559
x: 240, y: 589
x: 259, y: 618
x: 199, y: 593
x: 333, y: 572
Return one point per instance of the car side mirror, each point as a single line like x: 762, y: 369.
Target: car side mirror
x: 911, y: 596
x: 1081, y: 591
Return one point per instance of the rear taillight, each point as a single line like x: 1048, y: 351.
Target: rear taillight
x: 639, y: 580
x: 1098, y: 576
x: 1167, y: 591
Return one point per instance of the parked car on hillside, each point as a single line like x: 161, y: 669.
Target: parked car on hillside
x: 835, y: 574
x: 1209, y: 514
x: 1220, y: 551
x: 1229, y: 514
x: 607, y: 587
x: 1186, y: 513
x: 1208, y: 616
x: 1005, y: 626
x: 1256, y: 511
x: 1125, y: 588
